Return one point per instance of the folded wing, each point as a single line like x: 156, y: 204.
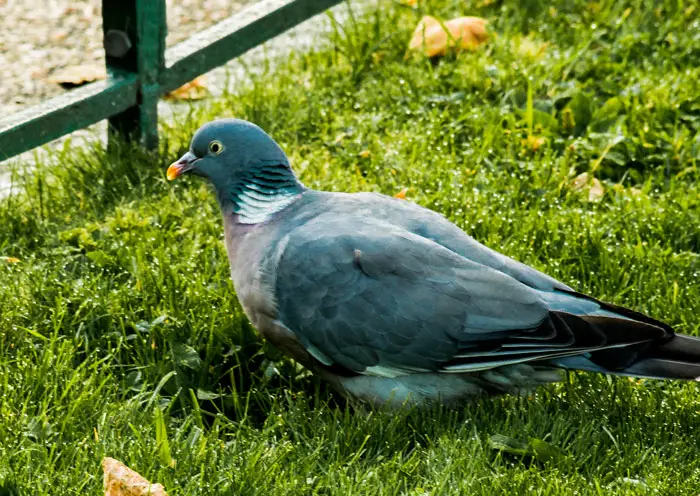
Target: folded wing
x: 377, y: 299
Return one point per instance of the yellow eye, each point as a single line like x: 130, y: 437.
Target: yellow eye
x: 216, y: 147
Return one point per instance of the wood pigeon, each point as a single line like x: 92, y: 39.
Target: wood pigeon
x: 394, y: 304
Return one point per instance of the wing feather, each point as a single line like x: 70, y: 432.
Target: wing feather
x: 368, y: 294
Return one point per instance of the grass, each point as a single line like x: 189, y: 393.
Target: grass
x: 121, y: 335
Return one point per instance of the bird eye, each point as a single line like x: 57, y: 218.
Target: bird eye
x: 216, y: 147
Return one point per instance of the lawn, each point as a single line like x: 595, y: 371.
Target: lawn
x: 121, y: 336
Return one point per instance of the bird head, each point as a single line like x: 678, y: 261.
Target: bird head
x: 225, y: 149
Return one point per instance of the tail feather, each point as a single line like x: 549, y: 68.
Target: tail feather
x: 660, y: 368
x: 601, y: 308
x: 678, y: 358
x: 654, y: 350
x: 680, y: 348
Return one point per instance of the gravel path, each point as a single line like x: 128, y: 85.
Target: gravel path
x: 83, y: 44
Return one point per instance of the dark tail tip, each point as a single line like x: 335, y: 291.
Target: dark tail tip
x: 678, y: 358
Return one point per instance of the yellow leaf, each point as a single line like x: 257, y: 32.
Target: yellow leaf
x: 194, y: 90
x: 533, y: 143
x: 10, y: 259
x: 580, y: 182
x: 78, y: 75
x: 364, y: 154
x: 596, y: 191
x: 529, y: 47
x: 433, y: 38
x: 401, y: 194
x: 584, y: 182
x: 120, y: 480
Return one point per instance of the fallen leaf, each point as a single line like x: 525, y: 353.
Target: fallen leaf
x: 401, y: 194
x: 78, y: 75
x: 509, y: 445
x: 10, y: 259
x: 59, y: 36
x: 545, y: 451
x: 120, y: 480
x: 532, y: 143
x: 580, y: 182
x: 433, y: 38
x: 535, y: 448
x: 596, y: 191
x: 529, y: 47
x: 585, y: 181
x: 194, y: 90
x: 365, y: 153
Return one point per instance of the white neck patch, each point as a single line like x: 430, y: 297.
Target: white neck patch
x: 254, y: 208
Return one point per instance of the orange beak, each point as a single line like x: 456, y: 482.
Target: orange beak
x: 184, y: 164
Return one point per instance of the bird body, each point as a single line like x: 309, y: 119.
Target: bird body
x: 394, y: 304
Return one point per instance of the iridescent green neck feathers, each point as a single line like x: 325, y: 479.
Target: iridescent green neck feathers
x: 263, y: 191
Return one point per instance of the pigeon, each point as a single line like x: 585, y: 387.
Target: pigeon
x: 391, y: 303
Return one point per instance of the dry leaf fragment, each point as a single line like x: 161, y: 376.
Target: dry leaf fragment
x: 532, y: 143
x: 580, y: 182
x: 194, y: 90
x: 585, y: 181
x: 434, y: 38
x: 59, y: 36
x: 529, y: 47
x: 120, y: 480
x: 365, y: 154
x: 401, y: 194
x: 596, y: 191
x: 78, y: 75
x: 10, y: 259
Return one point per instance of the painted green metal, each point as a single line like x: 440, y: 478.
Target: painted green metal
x: 134, y: 32
x: 59, y: 116
x: 234, y: 36
x: 142, y: 27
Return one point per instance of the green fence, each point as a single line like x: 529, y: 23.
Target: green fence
x: 140, y: 70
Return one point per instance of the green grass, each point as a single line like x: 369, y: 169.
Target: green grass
x: 121, y: 335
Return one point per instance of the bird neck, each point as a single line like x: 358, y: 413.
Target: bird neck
x: 263, y: 191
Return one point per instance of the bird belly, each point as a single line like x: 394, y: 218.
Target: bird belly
x: 413, y: 390
x: 450, y: 389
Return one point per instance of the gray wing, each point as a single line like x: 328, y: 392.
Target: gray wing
x: 432, y: 225
x: 379, y: 299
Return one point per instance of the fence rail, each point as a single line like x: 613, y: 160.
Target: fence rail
x: 140, y: 70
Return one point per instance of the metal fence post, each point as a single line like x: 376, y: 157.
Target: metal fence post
x: 134, y: 41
